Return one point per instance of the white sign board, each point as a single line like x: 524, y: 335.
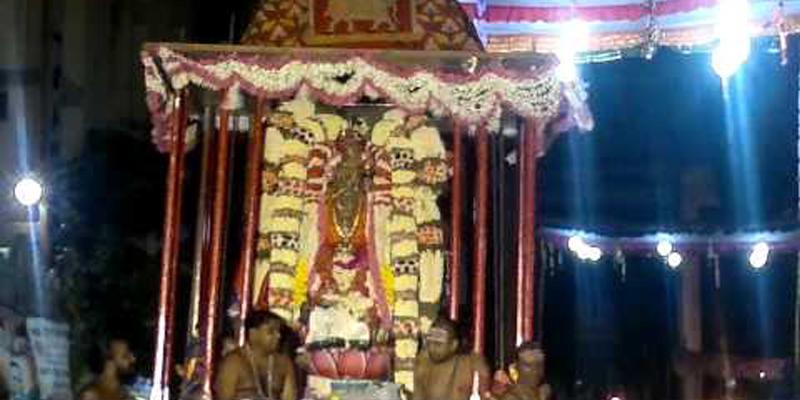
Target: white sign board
x: 50, y: 344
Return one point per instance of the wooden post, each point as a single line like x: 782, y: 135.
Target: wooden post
x: 217, y: 249
x: 169, y: 255
x: 481, y: 240
x: 526, y: 242
x: 252, y: 207
x: 456, y: 201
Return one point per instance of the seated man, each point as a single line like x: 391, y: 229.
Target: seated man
x: 443, y: 371
x: 258, y: 371
x: 528, y: 375
x: 112, y: 363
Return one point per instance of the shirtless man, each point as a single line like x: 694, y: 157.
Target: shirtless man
x: 529, y: 383
x: 258, y: 371
x: 112, y: 363
x: 442, y: 371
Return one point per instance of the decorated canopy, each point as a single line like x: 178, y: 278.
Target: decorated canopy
x: 534, y: 25
x: 472, y: 90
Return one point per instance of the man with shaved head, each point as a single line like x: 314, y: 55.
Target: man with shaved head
x: 443, y: 371
x: 528, y: 374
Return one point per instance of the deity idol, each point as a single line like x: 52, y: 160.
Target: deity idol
x: 346, y: 298
x: 351, y: 238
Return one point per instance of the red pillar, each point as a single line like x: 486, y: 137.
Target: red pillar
x: 526, y: 245
x: 252, y: 208
x: 456, y: 201
x: 481, y: 240
x: 217, y: 250
x: 169, y: 256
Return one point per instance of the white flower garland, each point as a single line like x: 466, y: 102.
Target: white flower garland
x: 471, y: 100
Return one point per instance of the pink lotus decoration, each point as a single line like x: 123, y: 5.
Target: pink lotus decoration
x: 342, y: 363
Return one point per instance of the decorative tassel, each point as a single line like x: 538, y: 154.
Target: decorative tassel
x: 552, y: 259
x: 713, y: 259
x: 619, y: 260
x: 652, y: 34
x: 560, y: 258
x: 779, y: 22
x: 544, y: 253
x: 234, y: 100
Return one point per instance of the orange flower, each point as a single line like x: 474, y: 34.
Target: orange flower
x: 269, y: 181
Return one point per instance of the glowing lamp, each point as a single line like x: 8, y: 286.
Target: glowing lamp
x: 28, y: 191
x: 732, y: 30
x: 674, y: 260
x: 594, y: 254
x: 664, y: 248
x: 574, y: 38
x: 575, y: 244
x: 759, y: 255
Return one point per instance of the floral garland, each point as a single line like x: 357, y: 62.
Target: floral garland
x: 469, y: 99
x: 409, y: 167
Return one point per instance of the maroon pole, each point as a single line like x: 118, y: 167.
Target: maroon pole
x: 520, y: 273
x: 456, y: 202
x: 169, y: 255
x: 532, y: 131
x: 252, y: 208
x: 217, y: 251
x: 197, y: 307
x: 525, y: 292
x: 481, y: 233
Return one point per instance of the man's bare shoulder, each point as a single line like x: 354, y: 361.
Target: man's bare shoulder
x: 235, y: 359
x: 422, y: 360
x: 283, y: 360
x: 89, y: 393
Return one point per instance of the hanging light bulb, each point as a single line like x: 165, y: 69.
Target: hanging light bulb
x: 574, y: 38
x: 674, y: 260
x: 664, y: 248
x: 575, y: 244
x: 733, y: 31
x: 28, y: 191
x: 594, y: 254
x: 759, y: 255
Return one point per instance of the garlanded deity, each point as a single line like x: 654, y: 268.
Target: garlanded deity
x: 351, y: 242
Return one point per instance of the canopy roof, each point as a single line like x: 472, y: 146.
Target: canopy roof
x: 533, y: 25
x: 396, y: 24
